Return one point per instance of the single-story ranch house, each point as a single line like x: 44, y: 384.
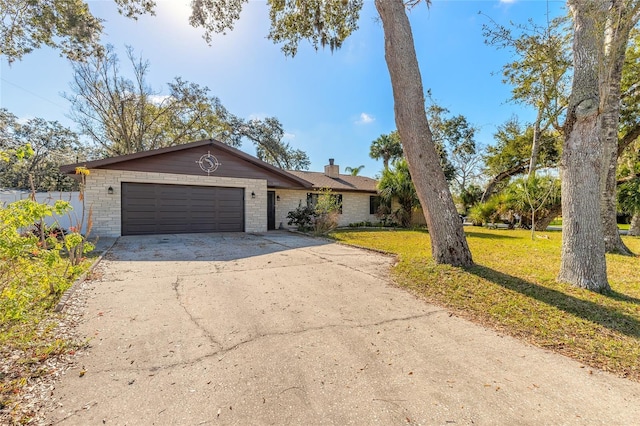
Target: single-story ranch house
x: 207, y: 186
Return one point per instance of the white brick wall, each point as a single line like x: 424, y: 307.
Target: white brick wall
x: 355, y: 206
x: 107, y: 208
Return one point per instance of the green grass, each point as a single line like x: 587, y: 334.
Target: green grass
x: 512, y: 288
x: 558, y: 222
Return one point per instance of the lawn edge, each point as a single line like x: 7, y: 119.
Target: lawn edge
x: 66, y: 296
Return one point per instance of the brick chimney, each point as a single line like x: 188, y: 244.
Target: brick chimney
x: 332, y: 170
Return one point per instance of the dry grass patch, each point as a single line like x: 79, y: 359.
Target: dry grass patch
x: 512, y: 288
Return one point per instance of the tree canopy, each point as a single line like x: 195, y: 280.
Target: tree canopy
x: 34, y: 150
x: 123, y: 115
x: 396, y: 184
x: 67, y: 26
x: 387, y: 148
x: 454, y: 138
x: 354, y: 171
x: 511, y: 152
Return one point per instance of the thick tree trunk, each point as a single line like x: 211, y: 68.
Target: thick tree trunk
x: 618, y: 28
x: 612, y: 241
x: 543, y: 222
x: 491, y: 187
x: 634, y: 228
x: 448, y: 241
x: 583, y: 262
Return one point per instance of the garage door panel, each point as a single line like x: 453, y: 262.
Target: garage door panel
x: 141, y: 204
x: 205, y: 206
x: 171, y: 217
x: 163, y: 210
x: 158, y: 208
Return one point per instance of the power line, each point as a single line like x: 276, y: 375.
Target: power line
x: 31, y: 93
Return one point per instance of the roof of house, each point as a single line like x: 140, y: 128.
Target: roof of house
x: 320, y: 180
x: 282, y: 178
x: 277, y: 178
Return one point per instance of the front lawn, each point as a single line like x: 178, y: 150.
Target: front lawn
x: 558, y: 222
x: 512, y: 289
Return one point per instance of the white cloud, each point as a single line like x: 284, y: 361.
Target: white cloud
x: 258, y: 116
x: 365, y: 118
x: 288, y: 136
x: 507, y: 1
x: 24, y: 120
x: 158, y: 99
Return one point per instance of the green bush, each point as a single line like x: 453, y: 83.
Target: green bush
x: 322, y: 217
x: 302, y: 217
x: 35, y: 260
x: 327, y: 209
x: 482, y: 213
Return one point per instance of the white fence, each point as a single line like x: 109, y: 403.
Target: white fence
x: 72, y: 218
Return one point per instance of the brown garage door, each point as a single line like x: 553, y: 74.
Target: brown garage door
x: 177, y: 209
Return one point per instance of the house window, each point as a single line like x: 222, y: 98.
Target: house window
x: 312, y: 200
x: 375, y: 202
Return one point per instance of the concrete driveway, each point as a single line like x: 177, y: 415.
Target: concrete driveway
x: 284, y: 329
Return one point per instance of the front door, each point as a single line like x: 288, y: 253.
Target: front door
x: 271, y: 210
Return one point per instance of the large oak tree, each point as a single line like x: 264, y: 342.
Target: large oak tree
x: 601, y: 31
x: 583, y: 253
x: 620, y: 18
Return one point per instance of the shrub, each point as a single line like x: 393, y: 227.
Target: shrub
x: 302, y: 217
x: 30, y: 269
x: 321, y: 217
x: 326, y: 210
x: 482, y: 213
x: 325, y: 223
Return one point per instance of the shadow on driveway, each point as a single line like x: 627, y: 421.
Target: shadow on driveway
x: 208, y: 247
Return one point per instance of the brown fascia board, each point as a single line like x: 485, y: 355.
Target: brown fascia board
x: 102, y: 164
x: 337, y: 190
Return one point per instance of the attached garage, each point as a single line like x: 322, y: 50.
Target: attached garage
x: 199, y: 187
x: 177, y: 209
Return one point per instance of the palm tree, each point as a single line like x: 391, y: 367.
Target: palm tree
x: 387, y: 148
x: 354, y: 170
x: 397, y: 184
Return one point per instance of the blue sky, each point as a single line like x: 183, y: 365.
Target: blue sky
x: 330, y: 104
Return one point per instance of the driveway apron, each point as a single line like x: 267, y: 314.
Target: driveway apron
x: 280, y: 328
